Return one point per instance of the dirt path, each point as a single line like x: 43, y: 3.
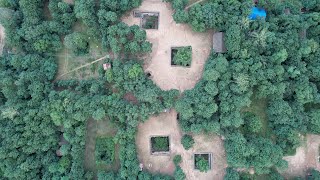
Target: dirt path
x: 170, y: 35
x: 83, y: 66
x: 2, y: 37
x: 166, y: 124
x: 193, y: 4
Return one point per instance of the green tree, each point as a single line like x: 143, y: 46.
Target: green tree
x: 77, y: 42
x: 202, y: 164
x: 177, y: 160
x: 187, y: 141
x: 183, y: 56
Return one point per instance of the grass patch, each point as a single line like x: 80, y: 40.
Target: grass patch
x: 68, y: 61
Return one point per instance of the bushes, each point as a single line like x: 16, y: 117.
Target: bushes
x: 179, y: 174
x: 182, y: 56
x: 201, y: 163
x: 187, y: 141
x: 177, y: 160
x: 105, y: 149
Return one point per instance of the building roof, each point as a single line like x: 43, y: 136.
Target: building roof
x: 106, y: 66
x: 257, y: 13
x: 218, y: 42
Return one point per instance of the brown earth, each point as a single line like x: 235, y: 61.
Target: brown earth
x: 170, y: 35
x: 306, y: 157
x: 166, y: 124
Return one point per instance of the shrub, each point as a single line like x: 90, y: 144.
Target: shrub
x: 182, y: 56
x: 201, y: 163
x: 187, y: 141
x: 179, y: 174
x: 177, y: 160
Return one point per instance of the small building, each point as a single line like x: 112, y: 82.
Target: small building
x: 218, y: 42
x: 257, y: 13
x: 106, y: 66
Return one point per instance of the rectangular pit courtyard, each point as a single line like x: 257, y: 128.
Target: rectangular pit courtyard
x: 202, y: 161
x: 181, y: 56
x: 148, y: 20
x: 160, y: 145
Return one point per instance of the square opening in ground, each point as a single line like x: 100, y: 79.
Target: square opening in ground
x: 202, y: 161
x: 150, y: 20
x: 181, y: 56
x: 160, y: 145
x: 104, y: 150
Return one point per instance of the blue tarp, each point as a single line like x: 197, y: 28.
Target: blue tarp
x: 257, y: 13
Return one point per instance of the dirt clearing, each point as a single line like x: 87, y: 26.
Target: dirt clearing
x: 166, y: 124
x: 306, y: 157
x: 170, y: 34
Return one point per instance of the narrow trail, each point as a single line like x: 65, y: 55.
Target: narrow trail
x: 193, y: 4
x: 85, y: 65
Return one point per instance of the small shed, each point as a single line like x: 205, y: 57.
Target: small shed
x: 257, y: 13
x: 106, y: 66
x: 218, y: 42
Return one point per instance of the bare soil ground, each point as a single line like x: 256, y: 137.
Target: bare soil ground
x: 98, y: 129
x: 2, y: 37
x: 306, y: 157
x: 170, y: 35
x: 166, y: 124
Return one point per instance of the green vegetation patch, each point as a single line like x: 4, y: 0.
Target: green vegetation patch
x: 105, y: 150
x: 202, y: 162
x: 150, y: 21
x: 181, y: 56
x: 187, y: 141
x: 160, y: 144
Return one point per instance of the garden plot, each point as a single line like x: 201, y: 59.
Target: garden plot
x: 166, y: 125
x: 168, y: 35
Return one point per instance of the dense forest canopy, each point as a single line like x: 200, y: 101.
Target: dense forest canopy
x: 275, y: 60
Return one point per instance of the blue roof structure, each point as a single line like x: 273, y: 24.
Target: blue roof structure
x: 257, y: 13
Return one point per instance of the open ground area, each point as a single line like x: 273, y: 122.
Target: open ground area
x: 306, y: 157
x: 169, y: 34
x: 166, y: 124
